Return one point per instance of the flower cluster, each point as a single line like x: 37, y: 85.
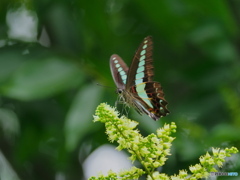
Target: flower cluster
x: 207, y: 162
x: 133, y: 173
x: 201, y: 170
x: 151, y: 151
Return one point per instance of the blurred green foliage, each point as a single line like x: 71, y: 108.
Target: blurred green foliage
x: 48, y: 82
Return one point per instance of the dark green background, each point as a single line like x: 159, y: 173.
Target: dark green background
x: 49, y: 94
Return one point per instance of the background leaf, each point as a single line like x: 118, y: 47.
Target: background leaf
x: 78, y: 121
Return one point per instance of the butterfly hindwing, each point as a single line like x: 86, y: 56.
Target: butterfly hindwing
x: 149, y: 98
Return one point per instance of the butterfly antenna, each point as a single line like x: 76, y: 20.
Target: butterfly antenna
x: 104, y: 86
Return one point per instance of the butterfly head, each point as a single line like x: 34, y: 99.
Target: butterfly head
x: 119, y: 91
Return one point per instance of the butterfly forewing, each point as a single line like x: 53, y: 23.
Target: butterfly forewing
x: 141, y: 67
x: 119, y: 71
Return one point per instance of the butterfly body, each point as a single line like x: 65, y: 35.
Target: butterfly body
x: 135, y: 84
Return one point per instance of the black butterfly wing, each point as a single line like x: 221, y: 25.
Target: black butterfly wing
x: 141, y: 69
x: 148, y: 95
x: 119, y: 71
x: 148, y: 98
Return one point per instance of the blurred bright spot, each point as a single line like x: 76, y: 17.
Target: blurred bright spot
x: 6, y: 171
x: 103, y: 159
x: 9, y: 123
x: 2, y: 43
x: 60, y: 176
x: 22, y: 24
x: 44, y: 38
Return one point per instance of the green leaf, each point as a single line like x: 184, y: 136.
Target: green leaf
x: 79, y: 118
x: 41, y: 78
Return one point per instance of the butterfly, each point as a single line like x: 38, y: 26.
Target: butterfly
x: 135, y: 85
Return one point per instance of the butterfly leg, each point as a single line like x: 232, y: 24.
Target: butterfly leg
x: 117, y: 103
x: 124, y: 107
